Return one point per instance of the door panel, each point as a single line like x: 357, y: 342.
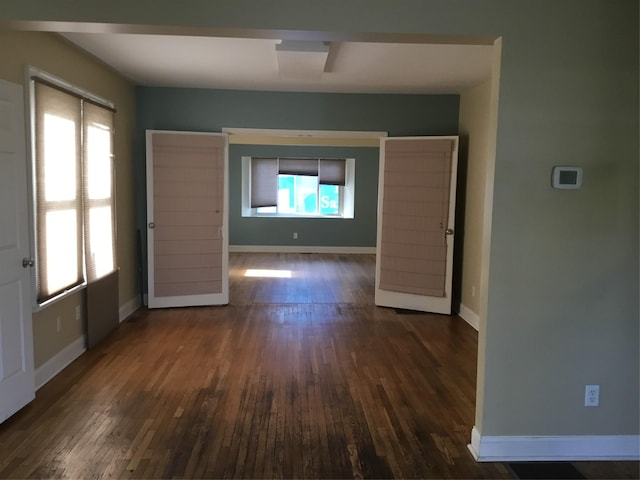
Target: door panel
x: 187, y: 215
x: 17, y: 379
x: 414, y: 262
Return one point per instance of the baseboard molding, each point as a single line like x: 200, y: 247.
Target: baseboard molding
x: 128, y: 308
x: 60, y: 361
x: 300, y: 249
x: 554, y: 448
x: 469, y: 316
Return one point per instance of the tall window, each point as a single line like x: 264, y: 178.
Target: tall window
x: 299, y: 187
x: 74, y: 189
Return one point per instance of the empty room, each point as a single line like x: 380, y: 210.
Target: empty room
x: 357, y: 239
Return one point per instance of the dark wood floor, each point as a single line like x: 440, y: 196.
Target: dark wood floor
x: 297, y: 377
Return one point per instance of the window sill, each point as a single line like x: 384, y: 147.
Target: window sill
x: 67, y: 293
x: 273, y: 215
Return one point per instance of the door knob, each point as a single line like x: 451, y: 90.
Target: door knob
x: 27, y: 262
x: 449, y: 231
x: 152, y: 225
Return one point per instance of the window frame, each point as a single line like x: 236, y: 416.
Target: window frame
x: 347, y: 195
x: 318, y: 200
x: 30, y: 74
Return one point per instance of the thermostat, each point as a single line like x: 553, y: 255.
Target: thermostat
x: 566, y: 177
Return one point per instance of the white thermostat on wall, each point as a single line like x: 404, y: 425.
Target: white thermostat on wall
x: 566, y: 178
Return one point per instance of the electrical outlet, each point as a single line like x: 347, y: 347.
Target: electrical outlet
x: 473, y: 291
x: 295, y: 235
x: 78, y: 312
x: 58, y: 324
x: 591, y: 395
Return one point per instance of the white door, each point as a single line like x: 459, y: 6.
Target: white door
x: 416, y: 215
x: 17, y: 380
x: 187, y: 219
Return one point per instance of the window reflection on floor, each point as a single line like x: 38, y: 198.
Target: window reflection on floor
x: 268, y: 273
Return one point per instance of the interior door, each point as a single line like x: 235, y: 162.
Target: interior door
x: 187, y: 215
x: 17, y: 379
x: 416, y: 215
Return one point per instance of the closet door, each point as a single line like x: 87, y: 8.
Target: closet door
x: 416, y: 215
x: 17, y: 378
x: 187, y: 219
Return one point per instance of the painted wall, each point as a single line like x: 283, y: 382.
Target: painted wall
x: 54, y: 55
x: 212, y: 110
x: 562, y: 303
x: 474, y: 152
x: 359, y: 231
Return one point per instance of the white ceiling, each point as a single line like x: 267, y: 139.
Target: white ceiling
x: 251, y: 64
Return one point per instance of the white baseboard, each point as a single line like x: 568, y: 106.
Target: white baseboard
x: 299, y: 249
x: 60, y: 361
x: 128, y: 308
x: 469, y: 316
x: 554, y: 448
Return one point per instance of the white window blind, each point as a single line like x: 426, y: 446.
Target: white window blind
x: 75, y: 218
x: 98, y: 191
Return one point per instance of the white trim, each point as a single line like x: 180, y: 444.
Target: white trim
x: 469, y: 316
x: 300, y: 249
x: 60, y: 296
x: 554, y: 448
x: 128, y: 308
x: 60, y: 361
x: 277, y: 132
x: 35, y: 72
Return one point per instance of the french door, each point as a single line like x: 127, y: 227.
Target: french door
x: 187, y: 218
x: 416, y: 221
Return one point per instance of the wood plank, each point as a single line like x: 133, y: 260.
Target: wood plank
x: 311, y: 381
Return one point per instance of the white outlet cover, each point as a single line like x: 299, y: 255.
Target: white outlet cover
x: 591, y: 395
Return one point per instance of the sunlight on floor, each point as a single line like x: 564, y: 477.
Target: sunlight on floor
x: 268, y: 273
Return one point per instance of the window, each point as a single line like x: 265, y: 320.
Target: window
x: 74, y: 188
x: 298, y: 187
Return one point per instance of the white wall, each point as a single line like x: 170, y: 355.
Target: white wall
x: 474, y: 133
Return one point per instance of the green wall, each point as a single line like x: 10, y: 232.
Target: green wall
x: 213, y: 110
x: 359, y: 231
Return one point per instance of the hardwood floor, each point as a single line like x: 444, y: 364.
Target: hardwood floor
x: 299, y: 376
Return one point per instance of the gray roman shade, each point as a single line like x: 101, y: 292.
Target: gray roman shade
x: 298, y: 166
x: 265, y: 171
x: 264, y: 182
x: 332, y: 172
